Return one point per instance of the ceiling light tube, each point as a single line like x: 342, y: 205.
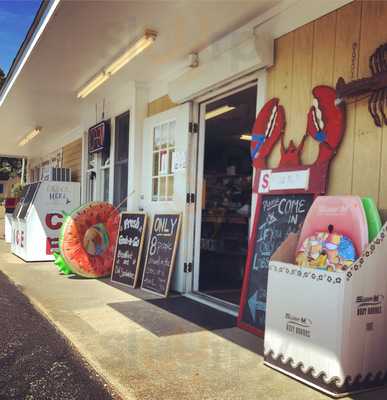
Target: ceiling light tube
x: 29, y: 136
x: 138, y: 47
x: 245, y: 136
x: 92, y: 85
x: 218, y: 111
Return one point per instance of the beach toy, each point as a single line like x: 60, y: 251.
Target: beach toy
x: 87, y: 240
x: 347, y: 215
x: 61, y: 264
x: 373, y: 218
x: 330, y: 251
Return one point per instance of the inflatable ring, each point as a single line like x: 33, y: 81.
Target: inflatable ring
x: 88, y: 238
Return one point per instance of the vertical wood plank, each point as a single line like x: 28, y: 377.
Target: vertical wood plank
x: 282, y: 76
x: 368, y: 138
x: 323, y: 63
x: 347, y: 33
x: 301, y: 88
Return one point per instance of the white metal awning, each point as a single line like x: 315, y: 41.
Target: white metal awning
x: 81, y: 37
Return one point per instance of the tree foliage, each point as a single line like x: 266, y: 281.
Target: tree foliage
x: 10, y: 167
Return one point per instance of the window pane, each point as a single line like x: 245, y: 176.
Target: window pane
x: 121, y: 160
x: 105, y: 159
x: 90, y: 186
x: 163, y: 162
x: 155, y: 164
x: 156, y: 138
x: 105, y: 173
x: 171, y: 160
x: 92, y: 161
x: 164, y: 136
x: 170, y: 190
x: 120, y: 184
x: 172, y: 125
x: 163, y: 188
x: 122, y: 137
x: 155, y: 183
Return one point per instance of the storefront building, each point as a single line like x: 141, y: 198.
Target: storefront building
x: 179, y: 116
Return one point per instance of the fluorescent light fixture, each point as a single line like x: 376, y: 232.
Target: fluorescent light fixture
x: 218, y: 111
x: 29, y: 136
x: 92, y: 85
x: 138, y: 47
x: 245, y: 136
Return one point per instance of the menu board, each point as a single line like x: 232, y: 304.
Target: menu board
x: 130, y: 239
x: 161, y: 253
x: 279, y: 215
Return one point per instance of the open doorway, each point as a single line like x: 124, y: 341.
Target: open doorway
x: 225, y: 187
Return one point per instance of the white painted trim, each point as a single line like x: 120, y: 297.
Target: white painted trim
x: 285, y: 19
x: 234, y: 87
x: 221, y: 90
x: 30, y: 46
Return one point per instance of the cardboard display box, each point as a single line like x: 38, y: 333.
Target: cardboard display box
x: 329, y: 329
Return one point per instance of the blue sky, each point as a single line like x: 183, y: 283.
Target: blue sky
x: 16, y: 17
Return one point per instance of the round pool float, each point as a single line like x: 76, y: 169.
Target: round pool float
x: 87, y: 240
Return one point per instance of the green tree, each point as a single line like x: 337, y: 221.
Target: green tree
x: 10, y: 167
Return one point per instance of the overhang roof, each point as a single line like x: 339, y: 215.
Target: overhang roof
x: 82, y: 37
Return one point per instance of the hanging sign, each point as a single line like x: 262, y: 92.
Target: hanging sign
x: 130, y: 240
x: 160, y: 258
x: 99, y: 137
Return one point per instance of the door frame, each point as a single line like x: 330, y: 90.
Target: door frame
x: 257, y: 79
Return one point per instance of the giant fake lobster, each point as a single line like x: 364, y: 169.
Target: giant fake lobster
x: 325, y: 124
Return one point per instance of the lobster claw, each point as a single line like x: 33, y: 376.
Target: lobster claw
x: 326, y: 122
x: 267, y: 130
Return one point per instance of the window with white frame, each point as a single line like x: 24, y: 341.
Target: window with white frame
x: 97, y: 175
x: 121, y: 160
x: 163, y: 161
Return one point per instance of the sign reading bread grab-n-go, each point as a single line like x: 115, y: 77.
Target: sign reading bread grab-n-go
x: 284, y: 180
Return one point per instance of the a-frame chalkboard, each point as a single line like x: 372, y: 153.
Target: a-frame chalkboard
x: 130, y: 240
x: 161, y: 254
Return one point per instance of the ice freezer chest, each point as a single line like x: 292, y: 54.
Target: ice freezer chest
x: 329, y: 329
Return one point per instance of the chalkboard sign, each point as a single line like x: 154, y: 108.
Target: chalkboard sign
x: 161, y: 253
x: 279, y: 215
x: 130, y: 239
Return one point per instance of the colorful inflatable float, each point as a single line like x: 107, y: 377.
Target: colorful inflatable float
x: 334, y: 234
x: 87, y: 240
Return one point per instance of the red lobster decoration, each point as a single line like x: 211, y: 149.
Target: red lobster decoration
x: 325, y: 124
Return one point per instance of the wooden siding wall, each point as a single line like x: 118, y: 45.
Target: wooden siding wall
x: 72, y: 158
x: 319, y: 53
x: 159, y: 105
